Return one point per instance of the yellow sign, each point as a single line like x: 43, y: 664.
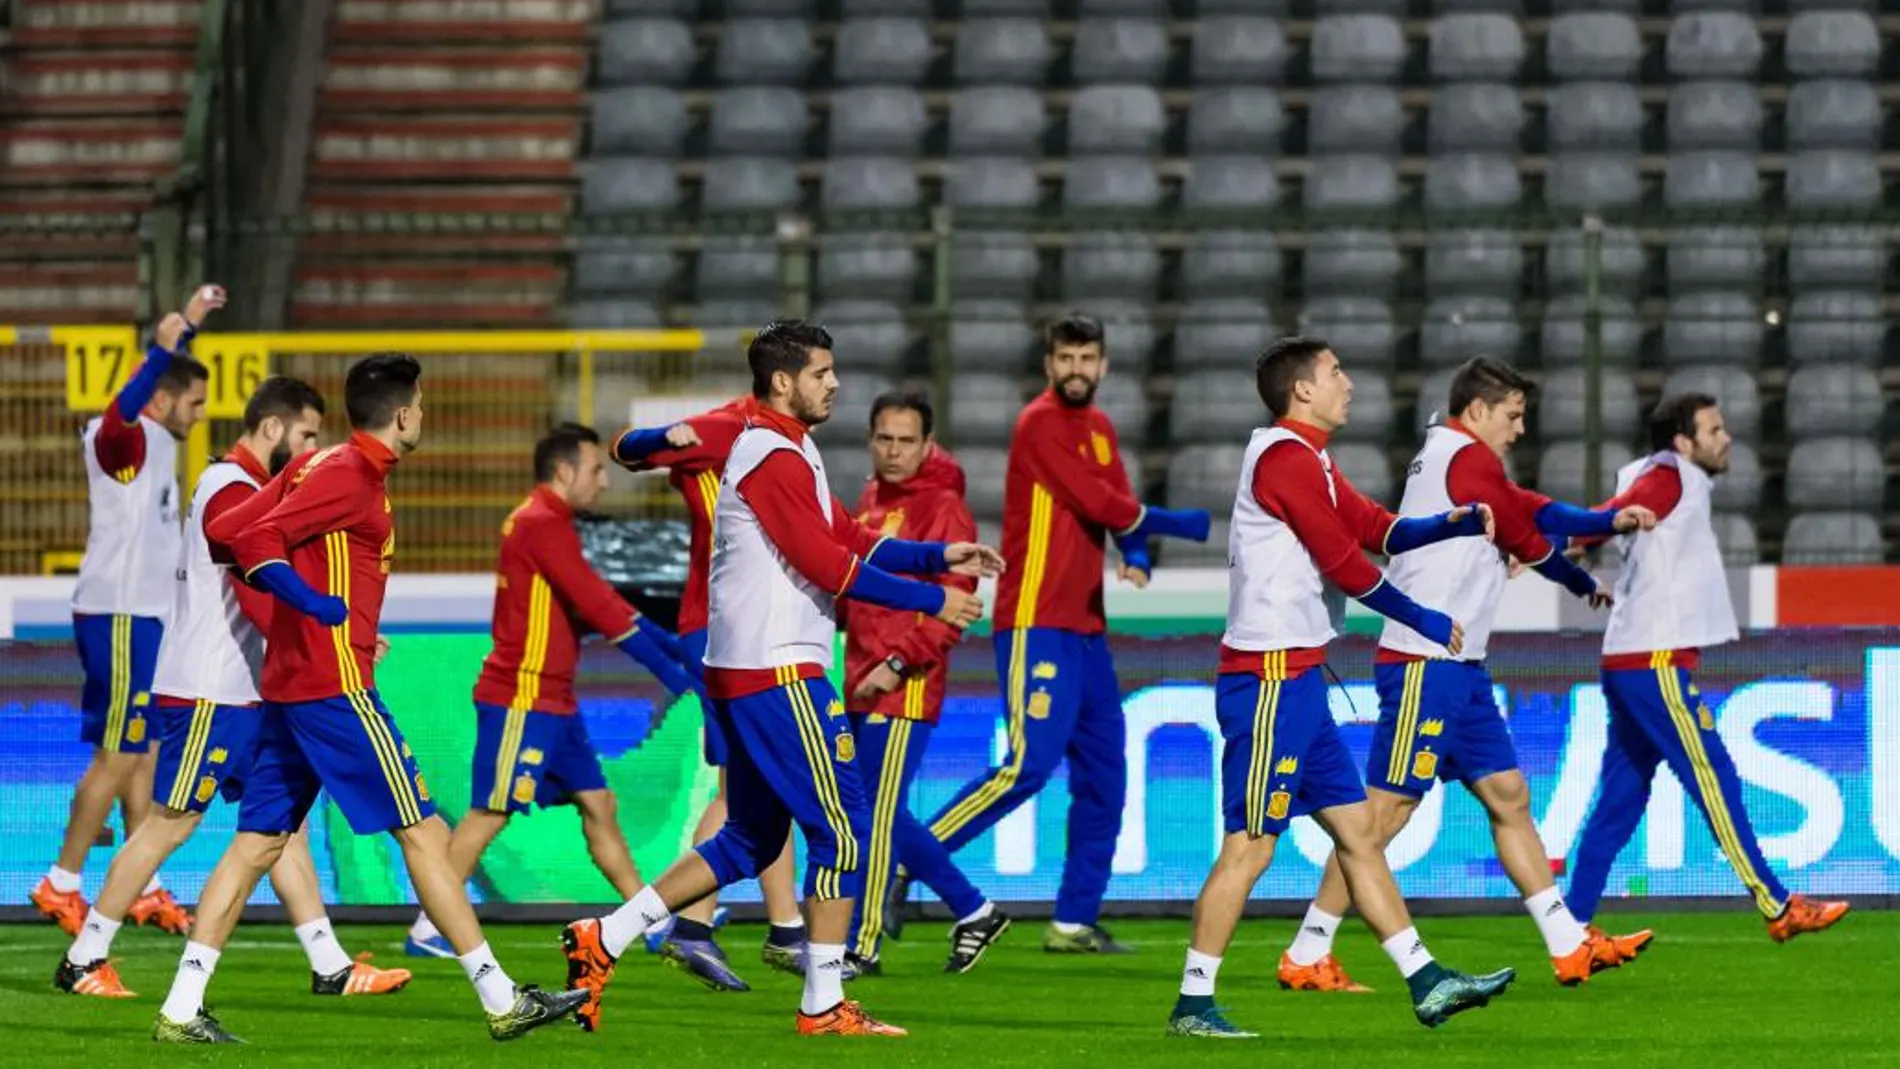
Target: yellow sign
x: 238, y: 363
x: 98, y: 361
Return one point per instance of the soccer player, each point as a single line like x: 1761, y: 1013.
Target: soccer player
x: 1437, y: 716
x: 1064, y: 491
x: 785, y: 551
x: 1297, y: 521
x: 896, y: 663
x: 320, y: 539
x: 693, y: 452
x: 1672, y: 603
x: 206, y: 686
x: 531, y: 746
x: 122, y: 597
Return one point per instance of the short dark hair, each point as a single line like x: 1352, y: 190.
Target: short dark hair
x: 561, y: 445
x: 909, y: 400
x: 1074, y: 328
x: 181, y: 373
x: 1487, y: 379
x: 1675, y: 415
x: 784, y: 345
x: 1283, y: 363
x: 378, y: 385
x: 280, y: 396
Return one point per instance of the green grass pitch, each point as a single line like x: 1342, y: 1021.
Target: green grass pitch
x: 1714, y: 991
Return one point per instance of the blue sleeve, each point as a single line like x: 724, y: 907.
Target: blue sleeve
x: 1411, y: 534
x: 878, y: 587
x: 906, y: 557
x: 667, y: 641
x: 1571, y: 521
x: 1564, y: 572
x: 282, y: 582
x: 1134, y: 551
x: 641, y: 647
x: 1191, y: 524
x: 640, y: 443
x: 1389, y: 601
x: 138, y: 390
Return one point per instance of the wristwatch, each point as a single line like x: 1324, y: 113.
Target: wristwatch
x: 895, y: 664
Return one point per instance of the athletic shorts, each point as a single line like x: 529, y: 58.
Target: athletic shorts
x: 118, y: 654
x: 204, y: 750
x: 1437, y: 720
x: 530, y: 758
x: 1283, y: 756
x: 347, y: 746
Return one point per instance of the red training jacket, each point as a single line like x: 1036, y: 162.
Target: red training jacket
x: 328, y: 516
x: 695, y: 472
x: 1064, y: 491
x: 927, y: 507
x: 542, y: 584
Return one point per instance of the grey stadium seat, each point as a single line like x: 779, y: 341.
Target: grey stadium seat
x: 1836, y: 326
x: 879, y: 265
x: 1246, y: 49
x: 877, y: 120
x: 1834, y: 399
x: 991, y: 182
x: 1119, y: 50
x: 848, y: 464
x: 1833, y: 538
x: 685, y: 9
x: 992, y: 263
x: 1834, y: 179
x: 869, y: 182
x: 859, y: 9
x: 763, y: 51
x: 1037, y: 8
x: 1005, y: 120
x: 990, y: 335
x: 1592, y: 45
x: 851, y: 414
x: 1620, y: 258
x: 1111, y: 182
x: 646, y: 52
x: 1712, y: 328
x: 1206, y: 477
x: 1229, y: 263
x: 1157, y: 9
x: 1473, y: 261
x: 1123, y: 397
x: 1739, y: 488
x: 1372, y: 410
x: 1434, y: 396
x: 738, y: 265
x: 1211, y: 406
x: 1455, y: 329
x: 1453, y: 7
x: 757, y: 120
x: 1475, y: 48
x: 1110, y: 264
x: 1131, y: 341
x: 1834, y: 113
x: 1835, y: 473
x: 1592, y: 180
x: 1565, y: 331
x: 622, y: 184
x: 748, y: 313
x: 1836, y: 257
x: 623, y: 265
x: 1734, y: 388
x: 1351, y: 262
x: 1469, y: 181
x: 1715, y: 115
x: 984, y: 470
x: 1368, y: 468
x: 767, y: 7
x: 1354, y: 119
x: 1713, y: 44
x: 1273, y: 8
x: 612, y: 314
x: 1351, y: 182
x: 638, y: 120
x: 742, y: 183
x: 869, y: 334
x: 1715, y: 257
x: 1241, y: 118
x: 1475, y: 117
x: 1001, y: 51
x: 1735, y: 533
x: 1125, y: 119
x: 1222, y: 335
x: 1711, y: 178
x: 1230, y: 182
x: 1357, y: 48
x: 983, y: 407
x: 881, y: 51
x: 1359, y: 328
x: 1594, y: 117
x: 1832, y: 44
x: 1560, y: 470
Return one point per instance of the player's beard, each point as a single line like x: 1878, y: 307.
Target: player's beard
x: 1088, y: 394
x: 280, y: 457
x: 813, y: 413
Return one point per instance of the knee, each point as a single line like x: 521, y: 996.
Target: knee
x: 258, y: 851
x: 173, y: 825
x: 1245, y: 855
x: 1510, y: 800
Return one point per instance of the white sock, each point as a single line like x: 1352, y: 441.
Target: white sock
x: 491, y: 983
x: 982, y: 911
x: 1407, y: 951
x: 320, y: 946
x: 152, y: 885
x: 824, y: 977
x: 94, y: 940
x: 64, y: 882
x: 1197, y: 978
x: 640, y: 914
x: 796, y: 922
x: 424, y: 929
x: 187, y: 996
x: 1315, y: 938
x: 1061, y: 926
x: 1562, y: 933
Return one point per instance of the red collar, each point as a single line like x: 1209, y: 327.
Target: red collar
x: 790, y: 426
x: 379, y: 455
x: 552, y: 500
x: 1454, y: 425
x: 253, y: 467
x: 1312, y: 435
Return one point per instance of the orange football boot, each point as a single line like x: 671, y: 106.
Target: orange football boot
x: 65, y: 908
x: 1596, y: 953
x: 589, y: 967
x: 1326, y: 974
x: 1804, y: 914
x: 100, y: 979
x: 367, y: 979
x: 161, y: 910
x: 847, y: 1018
x: 1625, y: 947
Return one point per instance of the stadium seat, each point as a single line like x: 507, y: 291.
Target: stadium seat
x: 1712, y: 328
x: 1457, y: 328
x: 1372, y: 412
x: 1828, y: 399
x: 1360, y: 330
x: 646, y: 51
x: 1732, y: 387
x: 1110, y: 265
x: 1833, y: 538
x: 1735, y: 533
x: 1487, y: 262
x: 1113, y: 182
x: 1565, y: 334
x: 1000, y: 264
x: 1116, y: 119
x: 990, y: 336
x: 1111, y: 49
x: 1205, y: 477
x: 984, y: 470
x: 1715, y: 115
x: 1834, y: 113
x: 869, y: 335
x: 737, y: 265
x: 1583, y: 181
x: 1229, y: 182
x: 1836, y: 326
x: 1357, y: 48
x: 1560, y: 470
x: 1245, y: 49
x: 1346, y: 119
x: 1716, y: 257
x: 1594, y: 45
x: 1832, y: 44
x: 1215, y: 406
x: 983, y: 407
x: 647, y: 120
x: 1368, y: 468
x: 1002, y: 120
x: 1594, y: 117
x: 1475, y: 47
x: 1472, y: 181
x: 1713, y: 44
x: 756, y: 120
x: 1475, y: 117
x: 1224, y: 120
x: 763, y: 51
x: 876, y: 265
x: 868, y: 182
x: 877, y: 120
x: 1230, y: 263
x: 1702, y: 179
x: 629, y: 184
x: 851, y: 409
x: 1836, y: 257
x: 1351, y: 262
x: 1835, y: 472
x: 1834, y: 179
x: 1352, y: 183
x: 1123, y: 395
x: 1621, y: 263
x: 1561, y: 411
x: 1739, y: 489
x: 1001, y: 51
x: 880, y: 50
x: 1222, y: 334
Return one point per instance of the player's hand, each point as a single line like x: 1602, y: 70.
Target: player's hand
x: 1602, y: 599
x: 1634, y: 518
x: 881, y: 681
x: 207, y: 299
x: 1457, y: 643
x: 961, y: 608
x: 327, y: 610
x: 681, y: 435
x: 170, y: 334
x: 1458, y: 515
x: 1135, y: 577
x: 382, y: 649
x: 971, y: 558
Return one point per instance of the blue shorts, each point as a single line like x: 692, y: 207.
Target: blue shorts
x: 118, y: 654
x: 1283, y: 756
x: 1437, y: 720
x: 524, y: 758
x: 713, y: 740
x: 204, y: 750
x: 348, y: 746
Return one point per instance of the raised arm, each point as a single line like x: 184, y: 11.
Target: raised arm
x: 697, y: 441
